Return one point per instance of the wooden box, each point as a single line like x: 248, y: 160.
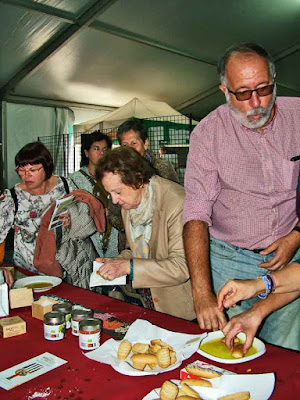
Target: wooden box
x: 41, y: 307
x: 20, y: 297
x: 12, y: 326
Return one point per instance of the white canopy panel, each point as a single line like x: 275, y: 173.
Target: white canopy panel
x: 136, y: 108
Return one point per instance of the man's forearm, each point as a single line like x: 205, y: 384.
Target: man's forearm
x: 288, y: 278
x: 296, y: 234
x: 196, y: 244
x: 273, y: 302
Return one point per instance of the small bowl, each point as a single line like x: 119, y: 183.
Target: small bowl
x: 258, y: 344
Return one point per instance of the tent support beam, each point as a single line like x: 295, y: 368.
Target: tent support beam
x: 197, y: 98
x: 54, y: 103
x: 101, y: 26
x: 43, y: 9
x: 55, y: 43
x: 287, y: 52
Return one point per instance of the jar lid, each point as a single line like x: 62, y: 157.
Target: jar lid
x: 65, y: 307
x: 54, y: 317
x: 78, y: 313
x: 90, y: 324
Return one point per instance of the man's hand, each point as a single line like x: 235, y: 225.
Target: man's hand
x: 208, y: 315
x: 247, y: 322
x: 113, y: 268
x: 196, y: 245
x: 285, y: 248
x: 237, y: 290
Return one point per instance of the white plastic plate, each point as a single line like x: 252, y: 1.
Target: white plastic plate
x: 258, y: 344
x: 260, y: 386
x: 53, y: 281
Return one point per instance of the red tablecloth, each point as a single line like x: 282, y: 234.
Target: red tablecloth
x: 84, y: 379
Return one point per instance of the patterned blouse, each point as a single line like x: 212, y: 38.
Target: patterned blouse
x: 27, y: 220
x: 82, y: 182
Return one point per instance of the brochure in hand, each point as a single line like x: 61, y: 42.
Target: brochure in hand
x: 61, y: 206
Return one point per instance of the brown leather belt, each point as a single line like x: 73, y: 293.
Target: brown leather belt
x: 255, y: 250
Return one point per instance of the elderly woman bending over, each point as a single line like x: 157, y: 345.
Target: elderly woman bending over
x: 152, y: 213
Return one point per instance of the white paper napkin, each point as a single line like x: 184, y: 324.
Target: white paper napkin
x: 142, y: 331
x: 97, y: 280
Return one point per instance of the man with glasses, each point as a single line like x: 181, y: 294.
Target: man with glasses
x: 240, y: 218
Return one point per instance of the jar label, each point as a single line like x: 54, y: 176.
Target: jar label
x: 75, y: 327
x: 89, y: 341
x: 54, y: 332
x: 68, y: 321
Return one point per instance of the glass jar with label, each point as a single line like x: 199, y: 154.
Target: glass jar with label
x: 54, y: 325
x: 89, y: 333
x: 65, y: 308
x: 76, y: 316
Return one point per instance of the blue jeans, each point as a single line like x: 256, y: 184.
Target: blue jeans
x: 282, y: 327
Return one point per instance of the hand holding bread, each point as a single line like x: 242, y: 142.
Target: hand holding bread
x: 238, y: 348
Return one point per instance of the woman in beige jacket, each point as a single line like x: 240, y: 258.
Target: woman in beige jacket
x: 152, y: 214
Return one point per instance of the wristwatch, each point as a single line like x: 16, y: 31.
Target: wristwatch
x: 297, y: 228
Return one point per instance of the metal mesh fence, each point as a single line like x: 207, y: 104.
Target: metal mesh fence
x: 61, y: 149
x: 168, y: 137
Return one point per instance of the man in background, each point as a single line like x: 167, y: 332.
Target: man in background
x: 132, y: 133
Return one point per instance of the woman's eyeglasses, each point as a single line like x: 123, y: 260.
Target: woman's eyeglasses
x: 31, y: 171
x: 247, y: 94
x: 98, y: 148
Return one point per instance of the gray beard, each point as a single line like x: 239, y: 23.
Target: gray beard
x: 265, y: 112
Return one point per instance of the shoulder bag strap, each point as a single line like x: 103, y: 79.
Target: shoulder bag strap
x: 14, y: 196
x: 67, y: 189
x: 93, y: 182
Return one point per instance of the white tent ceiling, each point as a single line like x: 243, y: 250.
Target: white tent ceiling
x: 101, y: 54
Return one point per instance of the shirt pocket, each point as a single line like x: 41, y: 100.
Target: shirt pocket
x: 289, y: 175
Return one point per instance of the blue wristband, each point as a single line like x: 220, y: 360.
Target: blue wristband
x: 272, y: 281
x: 268, y: 287
x: 131, y: 270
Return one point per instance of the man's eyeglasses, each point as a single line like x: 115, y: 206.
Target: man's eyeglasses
x: 247, y: 94
x: 31, y: 171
